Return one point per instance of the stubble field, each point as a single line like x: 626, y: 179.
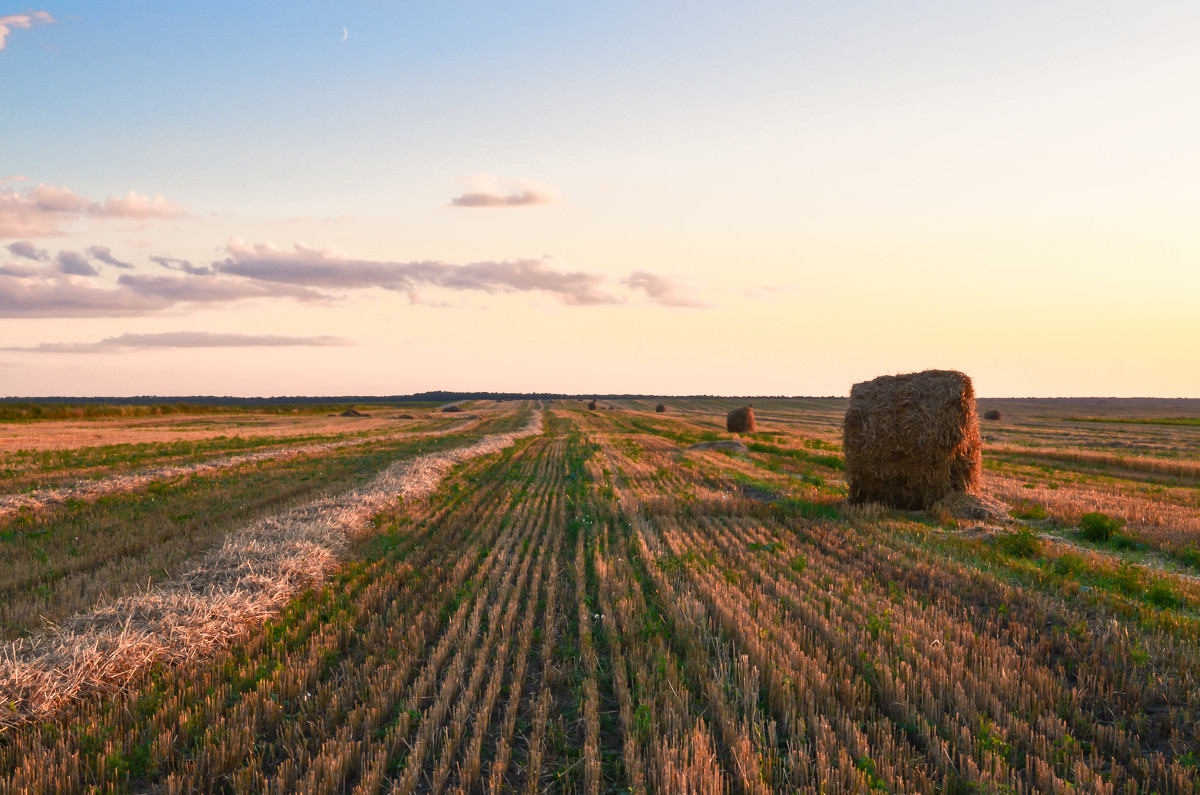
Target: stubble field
x: 575, y: 601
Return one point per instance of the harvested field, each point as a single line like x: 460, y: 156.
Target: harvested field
x: 11, y: 504
x: 596, y: 608
x: 238, y: 584
x: 64, y: 434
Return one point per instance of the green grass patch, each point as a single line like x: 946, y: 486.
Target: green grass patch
x: 1098, y: 527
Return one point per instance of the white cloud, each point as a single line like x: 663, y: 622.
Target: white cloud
x: 46, y: 211
x: 662, y: 290
x: 183, y: 339
x: 331, y: 268
x: 23, y: 21
x: 485, y: 190
x: 136, y: 206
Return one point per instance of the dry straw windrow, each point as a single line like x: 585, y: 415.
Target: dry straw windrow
x: 910, y: 440
x: 11, y: 504
x: 240, y: 584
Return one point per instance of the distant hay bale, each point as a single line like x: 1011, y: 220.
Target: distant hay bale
x: 741, y: 420
x: 911, y: 440
x: 660, y: 408
x: 405, y: 417
x: 991, y: 414
x: 592, y: 406
x: 353, y: 413
x: 449, y: 409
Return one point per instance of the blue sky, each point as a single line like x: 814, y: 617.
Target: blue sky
x: 617, y: 197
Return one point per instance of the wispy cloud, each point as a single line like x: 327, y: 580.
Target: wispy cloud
x: 17, y: 270
x: 24, y: 21
x: 69, y: 284
x: 331, y: 269
x: 104, y: 254
x: 73, y: 263
x: 45, y: 211
x: 209, y: 289
x: 183, y: 339
x: 66, y: 288
x: 26, y: 249
x: 38, y: 295
x: 662, y: 290
x: 135, y: 206
x: 176, y: 264
x: 485, y: 190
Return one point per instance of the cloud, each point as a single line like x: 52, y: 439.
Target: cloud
x: 136, y: 206
x: 484, y: 190
x: 24, y: 21
x: 104, y: 254
x: 57, y: 291
x: 73, y: 263
x: 209, y: 289
x: 50, y: 297
x: 39, y: 212
x: 661, y: 290
x: 17, y: 270
x: 25, y: 248
x: 45, y: 211
x: 173, y: 263
x: 331, y: 268
x: 68, y: 286
x: 183, y: 339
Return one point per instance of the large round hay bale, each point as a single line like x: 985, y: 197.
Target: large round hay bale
x: 740, y: 420
x: 592, y: 405
x: 991, y: 414
x: 660, y: 408
x: 910, y: 440
x: 449, y: 409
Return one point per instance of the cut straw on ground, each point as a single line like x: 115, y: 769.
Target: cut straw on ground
x: 240, y: 584
x: 40, y: 499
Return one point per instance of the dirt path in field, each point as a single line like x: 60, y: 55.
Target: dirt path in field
x: 39, y: 499
x: 227, y: 590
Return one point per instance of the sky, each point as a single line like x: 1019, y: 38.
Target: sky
x: 319, y: 198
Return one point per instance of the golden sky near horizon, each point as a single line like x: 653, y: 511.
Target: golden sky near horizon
x: 668, y: 200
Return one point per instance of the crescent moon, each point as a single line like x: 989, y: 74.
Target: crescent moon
x: 345, y: 34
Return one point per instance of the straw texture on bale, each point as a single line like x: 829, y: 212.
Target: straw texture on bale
x: 911, y: 440
x: 660, y: 408
x: 991, y: 414
x: 741, y: 420
x: 592, y: 405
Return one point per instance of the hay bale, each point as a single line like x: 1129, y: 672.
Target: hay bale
x: 660, y: 408
x: 741, y: 420
x: 592, y: 406
x: 911, y: 440
x: 991, y: 414
x: 449, y: 409
x: 405, y: 417
x: 353, y: 413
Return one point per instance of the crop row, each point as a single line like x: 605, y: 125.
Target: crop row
x: 60, y: 561
x: 596, y: 609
